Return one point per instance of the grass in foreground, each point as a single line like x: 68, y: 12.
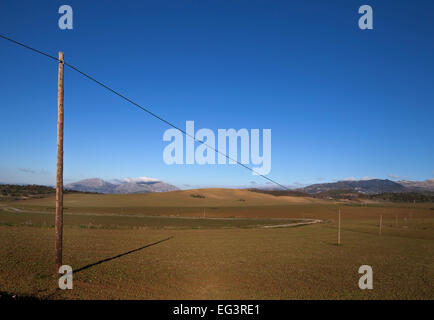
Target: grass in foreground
x: 214, y: 261
x: 291, y: 263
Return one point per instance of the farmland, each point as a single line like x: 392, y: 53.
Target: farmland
x: 212, y: 244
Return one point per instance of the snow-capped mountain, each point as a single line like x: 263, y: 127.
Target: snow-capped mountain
x: 126, y: 185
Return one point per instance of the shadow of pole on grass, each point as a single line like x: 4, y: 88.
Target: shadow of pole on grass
x: 121, y: 255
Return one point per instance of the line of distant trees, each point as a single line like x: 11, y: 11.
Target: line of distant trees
x: 352, y: 195
x: 404, y: 197
x: 10, y: 192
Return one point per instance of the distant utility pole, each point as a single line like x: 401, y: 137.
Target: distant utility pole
x: 381, y: 222
x: 339, y: 228
x: 412, y: 210
x: 59, y: 175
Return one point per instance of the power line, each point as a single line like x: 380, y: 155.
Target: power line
x: 28, y: 47
x: 141, y: 107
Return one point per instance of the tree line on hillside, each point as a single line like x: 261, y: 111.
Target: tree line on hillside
x: 10, y: 192
x: 404, y: 197
x: 352, y: 195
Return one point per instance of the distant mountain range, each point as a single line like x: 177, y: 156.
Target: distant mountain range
x: 148, y: 185
x: 427, y: 185
x: 373, y: 186
x: 121, y: 186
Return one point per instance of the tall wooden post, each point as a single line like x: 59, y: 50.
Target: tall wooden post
x: 412, y: 210
x: 59, y: 175
x: 339, y: 228
x: 381, y: 222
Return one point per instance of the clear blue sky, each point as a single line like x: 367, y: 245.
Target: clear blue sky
x: 341, y: 102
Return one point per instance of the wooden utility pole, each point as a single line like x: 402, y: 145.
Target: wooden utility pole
x: 412, y: 210
x: 381, y: 222
x: 59, y: 175
x: 339, y: 228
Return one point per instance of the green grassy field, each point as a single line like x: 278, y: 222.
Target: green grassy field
x: 121, y: 247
